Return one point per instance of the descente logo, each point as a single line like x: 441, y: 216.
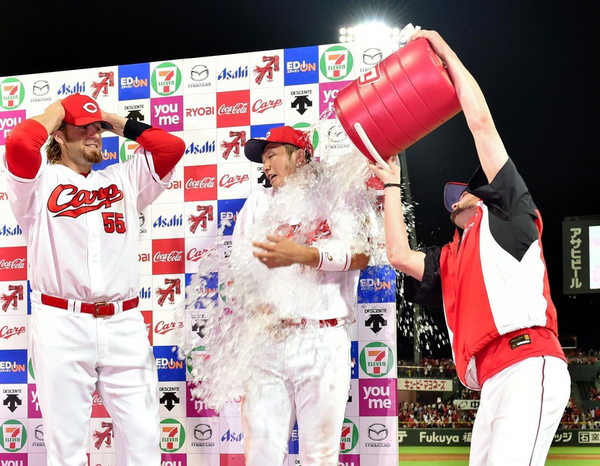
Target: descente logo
x: 227, y: 181
x: 69, y: 201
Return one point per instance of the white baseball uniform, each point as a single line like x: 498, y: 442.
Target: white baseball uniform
x: 82, y: 234
x: 308, y: 374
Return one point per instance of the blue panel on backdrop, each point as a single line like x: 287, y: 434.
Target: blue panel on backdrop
x: 301, y: 65
x: 377, y: 285
x: 134, y: 81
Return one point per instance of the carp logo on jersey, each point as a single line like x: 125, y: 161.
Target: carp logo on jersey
x: 292, y: 231
x: 68, y: 201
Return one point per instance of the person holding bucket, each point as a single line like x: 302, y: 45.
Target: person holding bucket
x: 492, y: 283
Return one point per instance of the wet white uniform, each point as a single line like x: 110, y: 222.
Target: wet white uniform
x: 308, y: 373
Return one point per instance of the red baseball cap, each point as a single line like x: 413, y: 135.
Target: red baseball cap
x: 81, y: 110
x: 283, y: 135
x: 452, y: 192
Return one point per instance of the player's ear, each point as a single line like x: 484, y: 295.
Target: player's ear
x: 301, y: 157
x: 59, y: 136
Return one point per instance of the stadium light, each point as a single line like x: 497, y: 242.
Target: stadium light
x: 376, y: 30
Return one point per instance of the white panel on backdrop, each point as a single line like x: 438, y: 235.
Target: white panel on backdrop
x: 200, y: 219
x: 171, y: 396
x: 302, y: 103
x: 145, y: 218
x: 233, y: 72
x: 164, y: 326
x: 201, y: 147
x: 174, y: 192
x: 231, y: 143
x: 13, y: 332
x: 199, y: 111
x: 13, y: 298
x: 378, y: 435
x: 267, y: 69
x: 102, y: 84
x: 138, y: 110
x: 168, y: 291
x: 40, y: 91
x: 168, y: 220
x: 203, y: 435
x: 166, y: 78
x: 234, y: 180
x: 232, y: 439
x: 266, y: 106
x: 196, y: 248
x: 199, y: 75
x: 14, y: 401
x: 35, y: 438
x: 376, y: 321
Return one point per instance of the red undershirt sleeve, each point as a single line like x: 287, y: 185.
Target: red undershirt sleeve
x: 165, y: 148
x: 23, y: 145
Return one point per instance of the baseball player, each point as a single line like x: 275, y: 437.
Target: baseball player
x: 492, y: 283
x: 308, y: 372
x: 82, y: 231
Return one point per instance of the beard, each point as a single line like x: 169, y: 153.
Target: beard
x: 92, y: 155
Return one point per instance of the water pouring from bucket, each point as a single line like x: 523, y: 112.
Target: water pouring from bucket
x: 397, y: 102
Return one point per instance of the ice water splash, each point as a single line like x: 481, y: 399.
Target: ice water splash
x: 230, y: 326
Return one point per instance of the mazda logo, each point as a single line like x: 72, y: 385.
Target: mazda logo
x: 199, y: 73
x: 39, y: 433
x: 203, y: 432
x: 377, y: 432
x: 41, y: 88
x: 337, y: 134
x: 372, y: 56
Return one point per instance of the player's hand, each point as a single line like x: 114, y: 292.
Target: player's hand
x: 391, y: 175
x: 439, y: 45
x: 281, y: 252
x: 55, y: 113
x: 118, y: 122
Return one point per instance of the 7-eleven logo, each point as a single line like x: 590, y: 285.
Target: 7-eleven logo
x: 14, y: 435
x: 128, y: 150
x: 166, y: 79
x: 11, y: 93
x: 172, y: 435
x: 349, y: 436
x: 336, y: 63
x: 376, y: 359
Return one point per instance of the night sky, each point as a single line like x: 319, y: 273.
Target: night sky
x: 533, y: 60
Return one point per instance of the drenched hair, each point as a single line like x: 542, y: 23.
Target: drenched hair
x: 290, y: 149
x: 53, y: 151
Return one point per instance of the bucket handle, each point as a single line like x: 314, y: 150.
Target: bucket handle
x: 370, y: 147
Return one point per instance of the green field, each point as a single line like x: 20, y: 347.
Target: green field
x: 569, y: 456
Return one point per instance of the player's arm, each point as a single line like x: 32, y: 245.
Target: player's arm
x: 283, y: 252
x: 23, y: 145
x: 166, y: 149
x: 490, y: 148
x: 398, y: 250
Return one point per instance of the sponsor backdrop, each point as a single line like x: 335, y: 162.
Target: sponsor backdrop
x: 215, y: 104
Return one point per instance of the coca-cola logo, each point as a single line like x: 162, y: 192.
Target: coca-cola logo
x: 195, y: 255
x: 69, y: 201
x: 238, y: 109
x: 6, y: 332
x: 204, y: 183
x: 228, y: 181
x: 96, y: 400
x: 163, y: 327
x: 173, y: 256
x: 18, y: 263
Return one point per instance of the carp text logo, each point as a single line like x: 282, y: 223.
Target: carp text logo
x: 336, y: 63
x: 227, y: 181
x: 12, y: 93
x: 166, y: 79
x: 172, y: 435
x: 69, y: 201
x: 349, y: 437
x: 13, y: 435
x: 376, y: 359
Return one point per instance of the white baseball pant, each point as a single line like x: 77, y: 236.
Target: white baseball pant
x: 308, y: 379
x: 519, y: 413
x: 75, y: 353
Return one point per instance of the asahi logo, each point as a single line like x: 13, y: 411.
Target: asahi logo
x: 240, y: 72
x: 18, y: 263
x: 238, y: 109
x: 173, y: 256
x: 206, y: 182
x: 228, y: 181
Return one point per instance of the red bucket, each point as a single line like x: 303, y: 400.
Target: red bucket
x: 396, y: 103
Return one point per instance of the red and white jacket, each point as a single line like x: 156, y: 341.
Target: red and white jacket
x: 492, y: 282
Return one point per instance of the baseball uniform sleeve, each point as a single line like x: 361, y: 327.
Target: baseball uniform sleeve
x: 24, y: 165
x: 151, y: 170
x: 512, y: 211
x: 428, y: 291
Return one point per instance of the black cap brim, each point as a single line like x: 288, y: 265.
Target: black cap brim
x: 254, y: 148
